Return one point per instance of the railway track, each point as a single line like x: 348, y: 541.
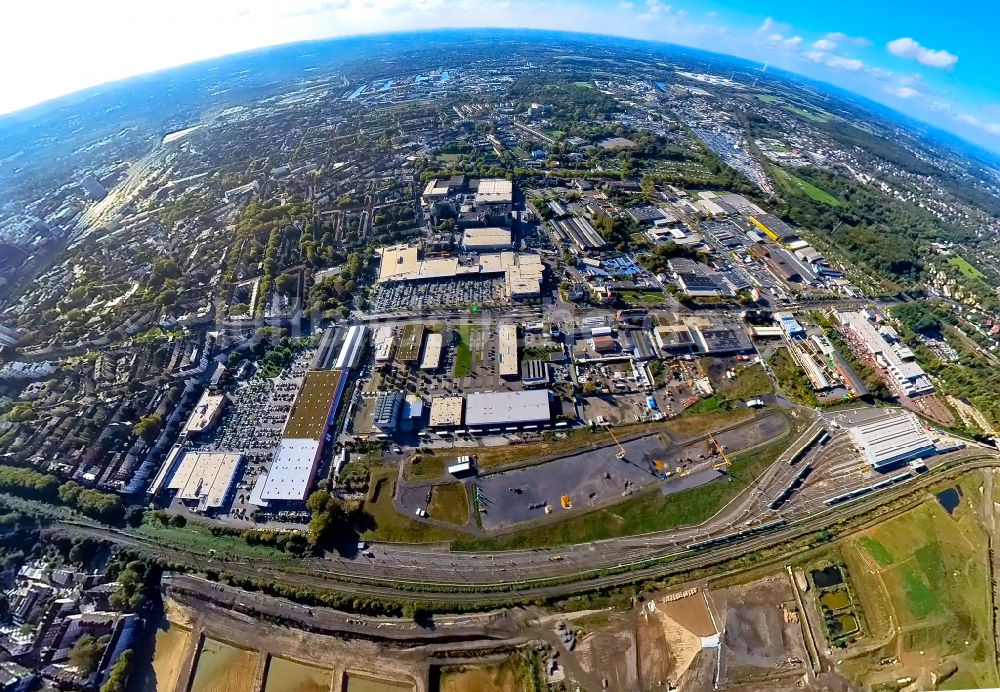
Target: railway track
x: 666, y: 561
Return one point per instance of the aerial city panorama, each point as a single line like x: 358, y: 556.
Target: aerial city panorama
x: 362, y: 347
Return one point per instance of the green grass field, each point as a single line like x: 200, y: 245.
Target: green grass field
x: 750, y: 381
x: 819, y: 117
x: 924, y: 577
x: 700, y: 408
x: 808, y: 189
x: 450, y: 504
x: 388, y: 524
x: 643, y: 297
x: 463, y: 354
x: 813, y: 192
x: 769, y: 98
x: 968, y: 271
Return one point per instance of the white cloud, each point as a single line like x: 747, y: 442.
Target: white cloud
x: 775, y: 37
x: 654, y: 11
x: 794, y: 42
x: 626, y: 5
x: 903, y: 92
x: 825, y: 44
x: 837, y: 62
x: 908, y: 48
x: 841, y: 37
x: 769, y: 26
x: 841, y: 63
x: 880, y: 73
x: 986, y: 126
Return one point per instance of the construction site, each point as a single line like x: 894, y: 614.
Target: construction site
x: 506, y: 498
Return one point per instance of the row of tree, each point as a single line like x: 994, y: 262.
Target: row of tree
x: 35, y: 485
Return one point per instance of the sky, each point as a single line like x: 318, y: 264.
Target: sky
x: 933, y: 61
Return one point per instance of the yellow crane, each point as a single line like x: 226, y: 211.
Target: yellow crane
x: 725, y: 463
x: 621, y: 450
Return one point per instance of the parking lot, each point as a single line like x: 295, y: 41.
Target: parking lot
x: 484, y: 376
x: 588, y: 479
x: 440, y: 293
x: 253, y: 423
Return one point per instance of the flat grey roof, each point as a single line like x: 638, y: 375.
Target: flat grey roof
x: 493, y: 408
x: 892, y: 438
x: 292, y: 470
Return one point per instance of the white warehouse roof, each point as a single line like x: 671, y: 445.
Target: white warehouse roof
x: 509, y: 366
x: 892, y: 439
x: 292, y: 471
x: 499, y: 408
x: 352, y: 347
x: 205, y: 477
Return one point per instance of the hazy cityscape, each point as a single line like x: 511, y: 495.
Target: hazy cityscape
x: 494, y: 360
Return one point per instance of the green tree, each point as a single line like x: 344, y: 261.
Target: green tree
x: 118, y: 677
x: 329, y: 519
x: 86, y: 653
x: 285, y: 284
x: 148, y: 426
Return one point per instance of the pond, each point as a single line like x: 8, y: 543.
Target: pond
x: 362, y: 683
x: 949, y: 499
x: 827, y: 577
x: 223, y: 668
x: 835, y: 600
x: 160, y: 657
x: 843, y: 624
x: 284, y: 675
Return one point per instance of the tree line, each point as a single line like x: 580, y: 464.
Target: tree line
x: 47, y: 488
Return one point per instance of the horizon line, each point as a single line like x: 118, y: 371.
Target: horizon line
x: 27, y: 112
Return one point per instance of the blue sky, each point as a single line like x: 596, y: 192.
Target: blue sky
x: 930, y: 60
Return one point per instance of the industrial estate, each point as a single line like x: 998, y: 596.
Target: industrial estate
x: 435, y: 369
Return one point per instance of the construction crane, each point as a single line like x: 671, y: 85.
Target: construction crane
x: 621, y: 450
x: 725, y: 463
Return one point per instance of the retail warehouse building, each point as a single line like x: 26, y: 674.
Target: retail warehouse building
x: 294, y: 467
x: 492, y: 411
x: 522, y: 272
